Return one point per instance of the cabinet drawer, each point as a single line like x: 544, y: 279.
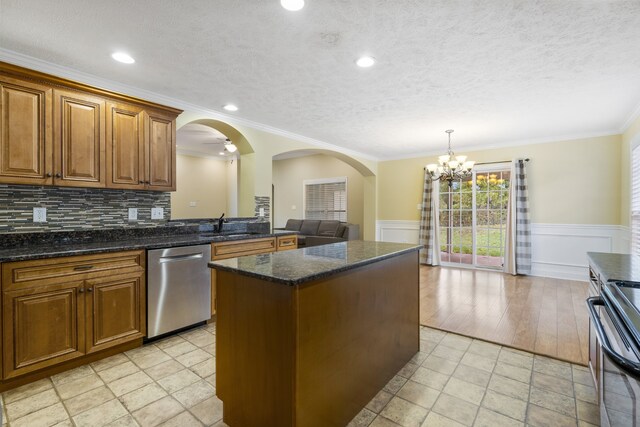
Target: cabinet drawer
x: 242, y: 247
x: 287, y: 243
x: 57, y: 270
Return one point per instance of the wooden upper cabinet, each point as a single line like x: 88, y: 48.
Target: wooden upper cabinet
x: 161, y: 152
x: 125, y: 146
x: 79, y: 140
x: 25, y: 132
x: 55, y: 131
x: 115, y: 311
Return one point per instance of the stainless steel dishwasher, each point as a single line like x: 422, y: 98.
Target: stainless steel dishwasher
x: 178, y: 288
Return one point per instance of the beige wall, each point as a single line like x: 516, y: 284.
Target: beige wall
x: 568, y: 181
x: 201, y: 180
x: 630, y: 138
x: 288, y: 177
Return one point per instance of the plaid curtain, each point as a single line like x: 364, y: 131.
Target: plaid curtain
x: 517, y: 254
x: 429, y: 221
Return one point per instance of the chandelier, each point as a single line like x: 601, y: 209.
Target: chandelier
x: 450, y: 168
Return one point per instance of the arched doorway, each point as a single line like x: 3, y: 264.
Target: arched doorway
x: 295, y: 172
x: 208, y: 169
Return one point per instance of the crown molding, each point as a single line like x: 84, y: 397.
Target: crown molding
x: 635, y: 114
x: 43, y: 66
x: 536, y: 141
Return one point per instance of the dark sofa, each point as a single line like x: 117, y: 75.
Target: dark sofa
x: 314, y: 232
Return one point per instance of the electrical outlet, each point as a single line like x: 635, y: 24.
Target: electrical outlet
x: 293, y: 207
x: 39, y: 214
x: 193, y: 204
x: 261, y: 211
x: 157, y: 213
x: 133, y: 214
x: 419, y: 206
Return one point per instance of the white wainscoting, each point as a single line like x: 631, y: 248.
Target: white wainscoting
x: 558, y: 250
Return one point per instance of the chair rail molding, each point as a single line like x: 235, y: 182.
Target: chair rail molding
x: 558, y: 250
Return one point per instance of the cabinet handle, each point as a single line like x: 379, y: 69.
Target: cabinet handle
x: 89, y: 289
x: 141, y: 182
x: 49, y: 175
x: 83, y: 267
x: 58, y: 175
x: 80, y: 290
x: 147, y: 182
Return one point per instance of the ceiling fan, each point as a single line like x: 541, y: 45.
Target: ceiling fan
x: 228, y: 145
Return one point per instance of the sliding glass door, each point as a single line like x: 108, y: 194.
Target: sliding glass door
x: 473, y: 218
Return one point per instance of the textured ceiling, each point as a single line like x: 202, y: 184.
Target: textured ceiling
x: 496, y: 71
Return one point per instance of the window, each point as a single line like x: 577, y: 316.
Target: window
x: 325, y: 198
x: 635, y: 201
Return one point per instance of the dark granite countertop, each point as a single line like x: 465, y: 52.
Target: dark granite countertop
x: 306, y: 264
x: 615, y: 266
x: 56, y: 249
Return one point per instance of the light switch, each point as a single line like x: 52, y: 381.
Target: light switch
x: 261, y: 211
x: 193, y: 204
x: 133, y: 214
x: 419, y: 206
x: 157, y: 213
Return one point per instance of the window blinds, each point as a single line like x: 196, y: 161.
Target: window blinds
x: 326, y: 199
x: 635, y: 201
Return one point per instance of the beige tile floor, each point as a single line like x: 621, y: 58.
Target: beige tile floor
x: 452, y: 381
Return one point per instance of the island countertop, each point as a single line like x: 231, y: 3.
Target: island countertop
x: 306, y: 264
x: 615, y: 266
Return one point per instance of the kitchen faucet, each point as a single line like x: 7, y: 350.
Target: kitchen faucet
x: 220, y: 222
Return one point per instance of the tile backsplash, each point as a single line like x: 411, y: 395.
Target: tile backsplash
x: 72, y: 209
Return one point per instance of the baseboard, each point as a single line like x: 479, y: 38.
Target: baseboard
x: 558, y: 250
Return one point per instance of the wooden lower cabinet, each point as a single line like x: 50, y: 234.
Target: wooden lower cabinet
x: 115, y: 311
x: 42, y: 327
x: 66, y: 309
x: 286, y: 243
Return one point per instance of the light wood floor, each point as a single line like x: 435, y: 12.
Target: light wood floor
x: 536, y: 314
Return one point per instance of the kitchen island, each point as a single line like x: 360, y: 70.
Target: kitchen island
x: 308, y: 337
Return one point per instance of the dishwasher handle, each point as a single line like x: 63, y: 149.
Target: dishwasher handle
x: 175, y: 258
x: 628, y: 366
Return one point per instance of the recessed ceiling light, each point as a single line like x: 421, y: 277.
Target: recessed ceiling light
x: 365, y: 61
x: 123, y: 57
x: 230, y: 107
x: 292, y: 5
x: 221, y: 153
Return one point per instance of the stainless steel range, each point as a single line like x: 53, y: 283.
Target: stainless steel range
x: 615, y: 317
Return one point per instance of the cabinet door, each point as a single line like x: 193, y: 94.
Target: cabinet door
x: 115, y: 311
x: 79, y: 140
x: 125, y: 146
x: 26, y: 155
x: 41, y: 328
x: 161, y: 152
